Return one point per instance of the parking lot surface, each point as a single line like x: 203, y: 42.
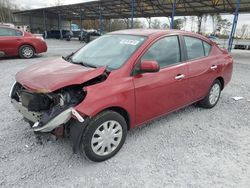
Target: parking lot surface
x: 192, y: 147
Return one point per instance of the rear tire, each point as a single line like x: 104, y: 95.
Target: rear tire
x: 26, y: 51
x: 104, y: 136
x: 213, y: 95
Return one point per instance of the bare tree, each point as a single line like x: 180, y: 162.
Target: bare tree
x: 149, y: 22
x: 243, y: 31
x: 203, y: 25
x: 138, y: 24
x: 184, y: 22
x: 156, y: 24
x: 215, y: 20
x: 223, y: 26
x: 164, y: 26
x: 199, y: 22
x: 6, y: 9
x: 192, y: 23
x: 178, y: 23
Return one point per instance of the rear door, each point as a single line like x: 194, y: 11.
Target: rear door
x: 10, y: 40
x: 164, y: 91
x: 201, y: 67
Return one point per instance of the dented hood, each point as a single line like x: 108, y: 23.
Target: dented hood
x: 52, y: 75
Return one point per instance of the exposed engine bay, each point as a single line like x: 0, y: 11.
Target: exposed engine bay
x: 47, y: 111
x: 40, y: 108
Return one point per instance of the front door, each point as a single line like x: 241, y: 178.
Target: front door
x: 10, y: 39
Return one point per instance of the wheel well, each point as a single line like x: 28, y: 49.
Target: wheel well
x: 221, y: 81
x: 122, y: 112
x: 28, y: 45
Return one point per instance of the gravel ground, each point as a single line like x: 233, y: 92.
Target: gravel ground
x: 192, y: 147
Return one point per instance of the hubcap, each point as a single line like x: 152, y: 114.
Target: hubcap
x: 214, y: 94
x: 27, y: 52
x: 106, y: 138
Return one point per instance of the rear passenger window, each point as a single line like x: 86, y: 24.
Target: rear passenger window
x: 207, y: 48
x: 194, y: 47
x: 10, y: 32
x: 165, y: 51
x: 19, y: 33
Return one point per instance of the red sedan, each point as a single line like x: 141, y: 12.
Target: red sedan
x: 118, y: 82
x: 14, y: 42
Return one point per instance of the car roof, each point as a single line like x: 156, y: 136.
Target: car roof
x: 148, y: 32
x: 157, y: 32
x: 7, y: 27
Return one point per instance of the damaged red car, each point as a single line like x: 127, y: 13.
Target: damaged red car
x: 118, y: 82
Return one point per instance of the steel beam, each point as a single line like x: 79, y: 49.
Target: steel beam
x: 173, y: 14
x: 44, y: 24
x: 132, y: 13
x: 235, y: 21
x: 81, y: 17
x: 60, y: 25
x: 100, y: 20
x: 109, y: 25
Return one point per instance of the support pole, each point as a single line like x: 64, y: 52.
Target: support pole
x: 81, y: 15
x: 231, y: 37
x: 30, y: 23
x: 109, y: 25
x: 44, y: 24
x: 173, y: 14
x: 70, y: 25
x: 60, y: 26
x: 132, y: 13
x: 100, y: 20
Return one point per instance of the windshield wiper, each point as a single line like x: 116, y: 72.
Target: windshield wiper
x: 69, y: 59
x: 84, y: 64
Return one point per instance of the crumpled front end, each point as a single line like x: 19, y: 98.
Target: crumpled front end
x: 47, y: 111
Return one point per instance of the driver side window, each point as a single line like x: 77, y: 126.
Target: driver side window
x: 165, y: 51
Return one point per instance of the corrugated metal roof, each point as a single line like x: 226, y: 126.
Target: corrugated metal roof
x: 143, y: 8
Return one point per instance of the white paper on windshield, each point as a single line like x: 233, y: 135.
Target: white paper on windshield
x: 129, y: 42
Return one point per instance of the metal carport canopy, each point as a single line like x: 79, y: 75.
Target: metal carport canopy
x: 110, y: 9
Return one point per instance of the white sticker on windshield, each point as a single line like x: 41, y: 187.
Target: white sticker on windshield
x: 129, y: 42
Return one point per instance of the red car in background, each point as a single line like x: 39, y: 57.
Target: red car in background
x: 14, y: 42
x: 118, y: 82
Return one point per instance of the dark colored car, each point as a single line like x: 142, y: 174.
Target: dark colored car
x: 87, y: 36
x: 56, y: 34
x: 14, y: 42
x: 118, y: 82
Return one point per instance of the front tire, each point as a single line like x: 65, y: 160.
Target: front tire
x: 104, y: 136
x: 26, y: 51
x: 213, y: 95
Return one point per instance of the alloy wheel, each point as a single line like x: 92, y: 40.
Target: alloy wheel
x: 27, y: 52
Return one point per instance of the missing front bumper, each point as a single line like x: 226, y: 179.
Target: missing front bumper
x: 28, y: 115
x: 54, y: 122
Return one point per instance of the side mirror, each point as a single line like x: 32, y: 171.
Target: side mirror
x: 149, y: 66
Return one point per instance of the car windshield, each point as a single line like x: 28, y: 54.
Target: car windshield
x: 111, y: 51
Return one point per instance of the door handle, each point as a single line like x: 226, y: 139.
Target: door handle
x: 214, y: 67
x: 179, y: 76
